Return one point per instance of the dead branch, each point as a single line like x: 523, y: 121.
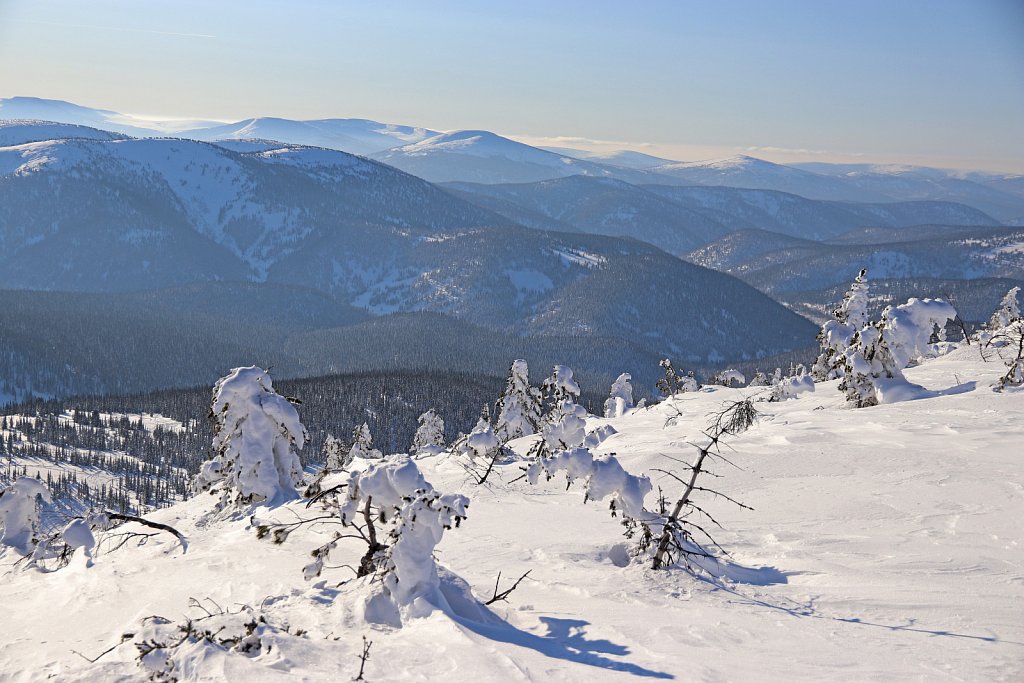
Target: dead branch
x: 503, y: 595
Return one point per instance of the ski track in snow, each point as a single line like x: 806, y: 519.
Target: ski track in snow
x: 885, y: 545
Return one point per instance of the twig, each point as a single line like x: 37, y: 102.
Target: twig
x: 503, y: 595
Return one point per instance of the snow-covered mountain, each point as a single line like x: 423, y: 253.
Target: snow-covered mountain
x: 620, y: 157
x: 356, y: 136
x: 751, y: 173
x: 679, y: 219
x: 129, y: 214
x: 479, y: 156
x: 20, y: 131
x: 777, y: 264
x: 484, y: 157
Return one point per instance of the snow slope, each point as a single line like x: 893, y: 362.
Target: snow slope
x: 884, y: 545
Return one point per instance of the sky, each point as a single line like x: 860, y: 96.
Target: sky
x: 926, y: 82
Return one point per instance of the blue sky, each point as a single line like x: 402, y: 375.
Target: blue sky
x: 927, y: 82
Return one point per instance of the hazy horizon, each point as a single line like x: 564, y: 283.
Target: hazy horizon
x: 920, y: 83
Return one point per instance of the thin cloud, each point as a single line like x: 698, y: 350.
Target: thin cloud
x: 571, y: 141
x: 123, y: 29
x: 792, y: 150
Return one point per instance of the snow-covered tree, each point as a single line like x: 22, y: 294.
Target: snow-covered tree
x: 759, y: 380
x: 19, y: 514
x: 520, y: 406
x: 730, y: 378
x: 674, y: 382
x: 1007, y: 312
x: 792, y: 387
x: 257, y: 436
x: 429, y: 434
x: 874, y: 359
x: 567, y: 426
x: 836, y: 334
x: 481, y: 442
x: 362, y: 444
x: 602, y: 476
x: 394, y: 493
x: 560, y: 386
x: 335, y: 454
x: 620, y: 397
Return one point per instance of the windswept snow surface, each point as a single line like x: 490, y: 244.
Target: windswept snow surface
x: 885, y: 544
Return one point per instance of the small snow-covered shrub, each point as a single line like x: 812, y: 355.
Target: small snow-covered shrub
x: 481, y: 442
x: 1007, y: 312
x: 792, y: 387
x: 429, y: 435
x: 520, y: 406
x: 620, y: 397
x: 602, y: 477
x: 560, y: 387
x: 362, y: 444
x: 19, y: 514
x: 335, y: 454
x: 257, y: 436
x: 873, y: 362
x: 567, y: 427
x: 759, y: 380
x: 674, y: 382
x: 730, y: 378
x: 192, y: 649
x: 837, y: 334
x: 401, y: 518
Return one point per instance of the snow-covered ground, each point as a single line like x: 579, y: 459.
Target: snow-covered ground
x: 885, y: 544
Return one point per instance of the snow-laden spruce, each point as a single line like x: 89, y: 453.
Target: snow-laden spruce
x: 620, y: 397
x: 335, y: 454
x: 673, y: 382
x: 362, y: 444
x: 1007, y: 312
x: 874, y: 360
x: 520, y: 406
x: 791, y: 387
x: 730, y: 378
x: 1005, y: 334
x: 257, y: 436
x: 19, y: 514
x: 837, y: 334
x: 560, y: 386
x: 429, y: 436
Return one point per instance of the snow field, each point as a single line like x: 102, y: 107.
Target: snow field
x: 885, y: 544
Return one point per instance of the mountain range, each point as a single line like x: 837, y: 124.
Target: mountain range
x: 116, y: 215
x: 485, y: 157
x: 137, y: 250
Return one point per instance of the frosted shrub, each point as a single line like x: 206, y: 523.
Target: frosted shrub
x: 602, y: 477
x: 520, y: 406
x: 837, y: 334
x: 784, y: 388
x: 335, y: 454
x: 362, y: 444
x: 730, y: 378
x: 391, y: 498
x: 429, y: 437
x: 481, y: 442
x: 873, y: 363
x: 19, y: 514
x: 568, y: 426
x: 257, y: 435
x: 673, y: 382
x: 560, y: 387
x: 620, y: 397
